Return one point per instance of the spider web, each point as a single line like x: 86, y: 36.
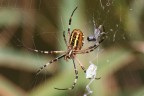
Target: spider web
x: 103, y: 14
x: 111, y: 15
x: 43, y: 28
x: 15, y: 5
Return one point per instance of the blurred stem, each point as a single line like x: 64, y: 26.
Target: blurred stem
x: 9, y: 89
x: 7, y: 34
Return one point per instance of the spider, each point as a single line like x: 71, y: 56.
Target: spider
x: 74, y: 46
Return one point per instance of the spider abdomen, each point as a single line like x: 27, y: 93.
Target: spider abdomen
x: 76, y: 39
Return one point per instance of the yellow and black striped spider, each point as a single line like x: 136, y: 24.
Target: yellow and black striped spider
x: 76, y: 38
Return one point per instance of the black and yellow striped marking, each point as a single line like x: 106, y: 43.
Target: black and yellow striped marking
x: 76, y: 39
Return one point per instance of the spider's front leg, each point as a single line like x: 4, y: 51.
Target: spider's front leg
x: 87, y: 50
x: 70, y: 21
x: 97, y: 40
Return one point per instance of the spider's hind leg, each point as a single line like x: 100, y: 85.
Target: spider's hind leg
x: 75, y: 81
x: 50, y: 62
x: 82, y: 66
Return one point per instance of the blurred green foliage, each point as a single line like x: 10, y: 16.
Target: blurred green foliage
x: 39, y: 24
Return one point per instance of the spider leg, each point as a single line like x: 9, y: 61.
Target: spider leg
x: 48, y: 52
x: 83, y: 68
x: 70, y: 21
x: 75, y: 81
x: 87, y: 50
x: 65, y: 38
x: 90, y: 48
x: 45, y: 52
x: 54, y: 60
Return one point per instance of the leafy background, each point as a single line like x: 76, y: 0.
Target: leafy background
x: 39, y: 24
